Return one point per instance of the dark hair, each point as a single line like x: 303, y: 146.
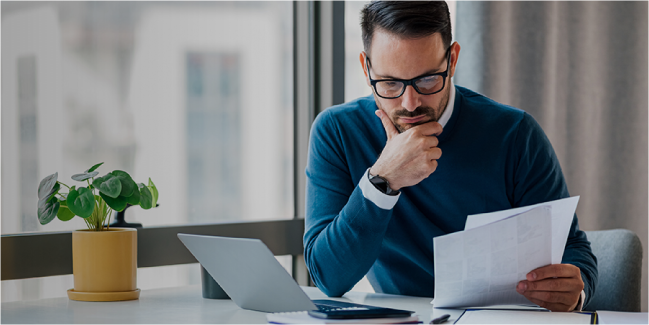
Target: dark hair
x: 406, y: 19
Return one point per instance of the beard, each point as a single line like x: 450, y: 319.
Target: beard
x: 431, y: 113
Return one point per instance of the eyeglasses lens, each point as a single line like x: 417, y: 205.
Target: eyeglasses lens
x: 426, y: 85
x: 389, y: 88
x: 430, y: 84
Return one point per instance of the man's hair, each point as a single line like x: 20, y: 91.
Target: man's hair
x: 406, y: 19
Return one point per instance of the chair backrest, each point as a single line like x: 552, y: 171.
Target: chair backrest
x: 619, y: 262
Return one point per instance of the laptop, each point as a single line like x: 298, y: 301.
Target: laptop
x: 249, y: 273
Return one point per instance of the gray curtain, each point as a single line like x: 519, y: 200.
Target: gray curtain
x: 580, y: 68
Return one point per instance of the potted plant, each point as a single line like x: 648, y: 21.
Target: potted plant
x: 104, y: 259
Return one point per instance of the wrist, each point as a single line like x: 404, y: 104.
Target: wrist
x: 382, y: 184
x: 377, y: 170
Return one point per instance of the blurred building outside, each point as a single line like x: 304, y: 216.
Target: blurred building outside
x: 171, y: 91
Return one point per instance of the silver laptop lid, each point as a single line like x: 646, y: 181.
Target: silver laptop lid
x: 248, y: 272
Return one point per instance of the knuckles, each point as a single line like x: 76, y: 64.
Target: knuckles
x: 422, y: 143
x: 437, y: 153
x: 547, y: 296
x: 433, y: 166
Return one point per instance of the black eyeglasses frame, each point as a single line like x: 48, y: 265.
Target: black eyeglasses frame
x: 410, y: 82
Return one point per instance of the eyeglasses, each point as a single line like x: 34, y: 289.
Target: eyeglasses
x: 425, y: 85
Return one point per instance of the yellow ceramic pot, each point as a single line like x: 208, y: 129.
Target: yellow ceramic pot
x: 104, y: 264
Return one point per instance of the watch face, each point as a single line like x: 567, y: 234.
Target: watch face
x: 380, y: 183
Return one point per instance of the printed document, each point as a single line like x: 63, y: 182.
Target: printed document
x: 563, y: 211
x: 482, y: 265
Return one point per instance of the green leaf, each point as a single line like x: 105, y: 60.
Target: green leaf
x: 146, y: 198
x: 128, y: 185
x: 154, y: 193
x: 55, y: 190
x: 48, y: 206
x: 92, y: 169
x: 46, y: 185
x: 117, y: 204
x: 109, y: 185
x: 64, y: 213
x: 84, y: 176
x: 42, y: 202
x: 134, y: 199
x: 97, y: 181
x: 81, y: 202
x: 47, y: 211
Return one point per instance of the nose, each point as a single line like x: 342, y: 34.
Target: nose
x: 410, y: 99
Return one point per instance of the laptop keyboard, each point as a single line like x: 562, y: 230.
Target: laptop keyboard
x: 332, y: 305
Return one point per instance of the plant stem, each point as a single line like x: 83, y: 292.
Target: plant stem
x: 63, y: 185
x: 110, y: 212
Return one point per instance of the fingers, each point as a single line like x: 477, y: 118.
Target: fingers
x: 556, y: 287
x: 553, y: 300
x: 559, y: 284
x: 430, y: 128
x: 554, y: 271
x: 434, y: 153
x: 552, y: 297
x: 429, y: 142
x: 390, y: 130
x: 551, y: 306
x: 424, y: 143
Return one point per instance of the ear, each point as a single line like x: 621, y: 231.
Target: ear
x: 362, y: 57
x: 455, y: 53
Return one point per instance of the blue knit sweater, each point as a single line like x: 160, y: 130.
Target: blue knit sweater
x: 494, y: 157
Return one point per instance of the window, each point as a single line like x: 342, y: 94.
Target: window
x: 196, y: 95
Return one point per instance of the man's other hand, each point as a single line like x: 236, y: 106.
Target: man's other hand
x: 556, y: 287
x: 408, y: 157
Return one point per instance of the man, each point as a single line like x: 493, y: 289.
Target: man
x: 379, y: 188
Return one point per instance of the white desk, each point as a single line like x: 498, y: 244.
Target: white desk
x: 184, y: 305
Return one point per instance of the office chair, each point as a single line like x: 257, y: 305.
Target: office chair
x: 619, y: 262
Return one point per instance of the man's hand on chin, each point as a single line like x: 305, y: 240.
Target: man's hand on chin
x: 556, y: 287
x: 408, y: 157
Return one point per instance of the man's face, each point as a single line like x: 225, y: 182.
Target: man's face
x: 396, y: 58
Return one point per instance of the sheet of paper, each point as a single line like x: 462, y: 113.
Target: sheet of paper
x: 481, y: 266
x: 618, y: 317
x: 562, y: 212
x: 522, y: 317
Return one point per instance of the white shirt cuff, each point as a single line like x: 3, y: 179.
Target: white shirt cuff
x: 582, y: 298
x: 382, y: 200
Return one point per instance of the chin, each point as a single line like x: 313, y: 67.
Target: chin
x: 404, y: 127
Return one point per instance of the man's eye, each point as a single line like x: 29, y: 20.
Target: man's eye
x: 428, y: 81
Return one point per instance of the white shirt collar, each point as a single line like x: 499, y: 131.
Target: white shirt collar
x: 449, y: 107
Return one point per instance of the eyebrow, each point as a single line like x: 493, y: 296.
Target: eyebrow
x: 429, y: 72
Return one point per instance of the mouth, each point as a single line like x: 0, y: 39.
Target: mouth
x: 412, y: 120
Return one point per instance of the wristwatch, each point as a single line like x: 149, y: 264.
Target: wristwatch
x: 382, y: 184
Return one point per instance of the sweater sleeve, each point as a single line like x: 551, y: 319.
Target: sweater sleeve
x: 538, y: 178
x: 343, y: 230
